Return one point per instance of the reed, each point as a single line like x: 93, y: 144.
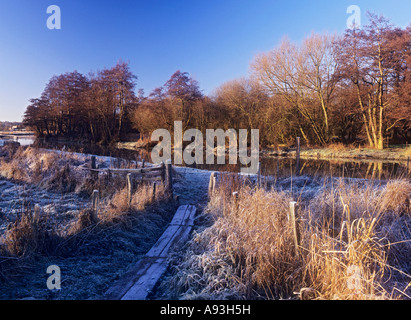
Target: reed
x: 349, y: 234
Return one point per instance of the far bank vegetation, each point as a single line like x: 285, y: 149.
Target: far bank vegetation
x: 348, y: 88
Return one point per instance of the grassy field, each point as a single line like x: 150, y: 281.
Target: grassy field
x: 355, y: 243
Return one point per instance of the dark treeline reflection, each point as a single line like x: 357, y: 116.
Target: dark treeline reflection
x: 350, y: 169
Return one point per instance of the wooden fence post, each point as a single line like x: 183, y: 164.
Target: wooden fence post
x: 210, y: 184
x: 154, y: 192
x: 163, y: 172
x: 108, y: 175
x: 297, y: 169
x: 93, y: 162
x: 295, y: 225
x: 36, y: 212
x: 215, y: 181
x: 94, y: 209
x: 169, y: 177
x: 259, y: 175
x: 129, y: 189
x: 235, y: 196
x: 408, y: 165
x: 278, y: 167
x: 94, y: 174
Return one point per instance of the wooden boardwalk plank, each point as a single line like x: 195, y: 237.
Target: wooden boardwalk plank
x: 184, y: 216
x: 121, y: 286
x: 158, y: 250
x: 143, y: 276
x: 147, y: 281
x: 178, y: 236
x: 179, y: 215
x: 189, y: 220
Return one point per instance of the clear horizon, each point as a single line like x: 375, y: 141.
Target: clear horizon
x: 212, y: 40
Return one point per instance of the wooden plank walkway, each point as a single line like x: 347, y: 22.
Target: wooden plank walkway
x: 141, y: 278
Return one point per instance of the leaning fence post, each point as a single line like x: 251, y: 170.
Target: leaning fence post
x: 95, y: 200
x: 295, y: 225
x: 129, y: 189
x: 169, y: 175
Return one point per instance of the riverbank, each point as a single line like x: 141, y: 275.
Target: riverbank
x: 16, y: 133
x: 344, y: 152
x: 333, y: 151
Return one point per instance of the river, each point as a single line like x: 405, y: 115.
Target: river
x: 270, y: 165
x: 23, y: 140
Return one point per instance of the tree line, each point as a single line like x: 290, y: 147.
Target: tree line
x: 352, y: 88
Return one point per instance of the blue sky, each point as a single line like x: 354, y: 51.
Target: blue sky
x: 213, y: 40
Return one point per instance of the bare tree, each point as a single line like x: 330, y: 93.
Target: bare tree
x: 304, y: 76
x: 374, y: 61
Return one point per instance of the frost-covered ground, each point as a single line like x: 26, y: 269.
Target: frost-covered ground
x: 15, y: 197
x: 105, y: 256
x: 94, y: 259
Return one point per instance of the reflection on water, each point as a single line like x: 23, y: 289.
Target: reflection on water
x: 99, y: 150
x: 23, y: 140
x: 351, y: 169
x: 274, y: 166
x: 285, y: 167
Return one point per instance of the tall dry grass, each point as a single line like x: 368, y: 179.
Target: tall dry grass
x: 349, y: 239
x: 49, y: 170
x: 31, y: 233
x: 338, y: 146
x: 118, y: 206
x: 34, y: 234
x: 57, y: 172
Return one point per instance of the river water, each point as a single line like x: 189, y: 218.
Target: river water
x: 23, y: 140
x: 270, y: 166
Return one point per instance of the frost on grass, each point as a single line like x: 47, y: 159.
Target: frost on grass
x: 45, y: 219
x: 247, y: 250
